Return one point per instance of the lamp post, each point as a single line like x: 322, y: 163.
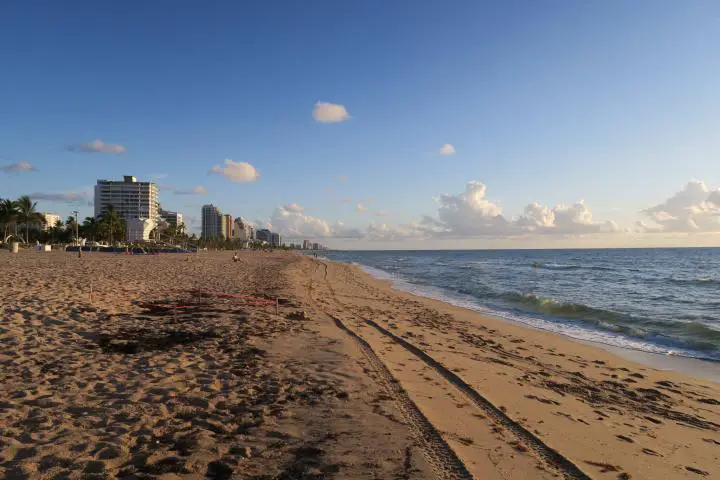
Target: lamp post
x: 77, y: 233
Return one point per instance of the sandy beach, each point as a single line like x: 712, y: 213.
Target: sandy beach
x: 280, y: 366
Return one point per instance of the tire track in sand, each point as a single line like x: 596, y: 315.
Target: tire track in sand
x: 437, y: 452
x: 552, y: 457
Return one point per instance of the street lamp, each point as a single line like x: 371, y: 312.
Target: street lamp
x: 77, y: 230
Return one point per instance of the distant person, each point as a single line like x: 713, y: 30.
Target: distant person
x: 235, y: 257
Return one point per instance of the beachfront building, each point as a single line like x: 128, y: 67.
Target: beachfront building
x: 228, y: 221
x: 130, y: 198
x: 306, y: 245
x: 243, y: 230
x: 213, y: 225
x: 316, y: 246
x: 50, y: 220
x: 264, y: 235
x: 138, y: 229
x: 172, y: 219
x: 275, y: 240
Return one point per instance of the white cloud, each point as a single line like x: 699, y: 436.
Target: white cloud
x: 294, y: 207
x: 198, y: 190
x: 575, y: 219
x: 295, y: 223
x: 695, y: 208
x: 389, y: 232
x: 447, y: 149
x: 339, y: 230
x: 18, y: 167
x: 73, y: 198
x: 330, y: 113
x: 236, y: 171
x: 98, y: 146
x: 360, y: 208
x: 471, y: 214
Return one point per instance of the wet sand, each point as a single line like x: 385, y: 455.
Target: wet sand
x: 186, y: 367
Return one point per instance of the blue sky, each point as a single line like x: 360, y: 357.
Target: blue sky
x: 614, y: 103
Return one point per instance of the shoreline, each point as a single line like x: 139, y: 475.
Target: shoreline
x: 701, y: 368
x: 286, y: 366
x: 479, y: 378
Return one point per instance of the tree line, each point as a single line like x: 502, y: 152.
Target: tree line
x: 20, y: 220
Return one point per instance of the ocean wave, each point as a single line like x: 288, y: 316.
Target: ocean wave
x: 692, y: 334
x: 701, y: 281
x: 550, y: 306
x: 562, y: 266
x: 555, y: 266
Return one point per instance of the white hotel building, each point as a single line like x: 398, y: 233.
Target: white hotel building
x: 137, y: 202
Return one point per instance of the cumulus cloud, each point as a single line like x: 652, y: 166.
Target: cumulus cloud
x: 360, y: 208
x: 18, y: 167
x: 470, y: 214
x: 330, y: 113
x: 292, y: 222
x: 198, y: 190
x: 237, y: 172
x: 73, y: 198
x: 387, y: 232
x: 695, y: 208
x: 298, y: 224
x: 447, y: 149
x: 98, y: 146
x: 575, y: 219
x: 340, y: 230
x: 294, y: 207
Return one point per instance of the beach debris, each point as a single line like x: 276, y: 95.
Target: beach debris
x: 298, y: 315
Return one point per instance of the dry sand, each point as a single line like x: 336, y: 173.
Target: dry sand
x: 350, y: 379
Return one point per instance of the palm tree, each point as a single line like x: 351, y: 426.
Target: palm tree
x: 8, y: 216
x: 90, y: 227
x: 113, y: 222
x: 27, y: 214
x: 56, y: 230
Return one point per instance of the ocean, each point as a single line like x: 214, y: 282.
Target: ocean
x: 654, y: 300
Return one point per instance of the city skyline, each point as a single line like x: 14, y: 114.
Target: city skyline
x: 469, y: 125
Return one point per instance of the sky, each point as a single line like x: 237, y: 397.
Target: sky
x: 374, y: 124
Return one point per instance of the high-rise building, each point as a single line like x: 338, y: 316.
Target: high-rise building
x: 306, y: 245
x: 228, y: 220
x: 316, y: 246
x: 50, y: 220
x: 213, y: 225
x: 264, y: 235
x: 129, y: 198
x: 275, y: 240
x: 173, y: 219
x: 243, y: 231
